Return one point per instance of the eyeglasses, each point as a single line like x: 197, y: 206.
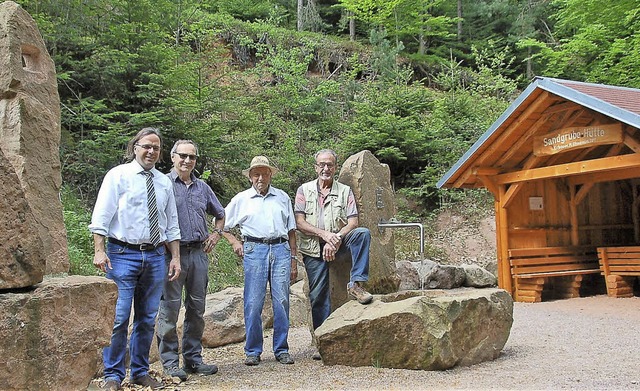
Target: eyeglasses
x: 148, y: 147
x: 327, y: 165
x: 184, y: 156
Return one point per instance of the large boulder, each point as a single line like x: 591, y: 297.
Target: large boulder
x: 21, y: 254
x: 223, y: 317
x: 430, y: 330
x: 49, y: 335
x: 30, y: 127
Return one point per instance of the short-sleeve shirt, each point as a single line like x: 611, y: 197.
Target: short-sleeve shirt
x: 267, y: 217
x: 301, y: 201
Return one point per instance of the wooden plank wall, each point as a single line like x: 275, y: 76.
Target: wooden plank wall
x: 604, y: 216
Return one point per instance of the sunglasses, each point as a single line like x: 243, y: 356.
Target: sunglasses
x: 149, y: 147
x: 184, y: 156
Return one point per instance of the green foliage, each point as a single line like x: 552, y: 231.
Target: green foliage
x: 80, y: 241
x: 225, y: 269
x: 591, y: 42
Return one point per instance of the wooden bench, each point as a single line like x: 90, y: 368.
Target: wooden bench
x: 620, y: 266
x: 531, y: 269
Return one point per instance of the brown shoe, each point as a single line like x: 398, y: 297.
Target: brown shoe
x: 148, y: 381
x: 358, y: 293
x: 110, y: 385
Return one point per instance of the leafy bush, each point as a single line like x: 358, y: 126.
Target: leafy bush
x: 79, y: 239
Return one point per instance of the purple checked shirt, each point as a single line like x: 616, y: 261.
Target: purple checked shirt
x: 194, y: 202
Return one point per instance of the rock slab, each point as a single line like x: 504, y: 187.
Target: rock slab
x: 49, y: 335
x: 428, y: 330
x: 30, y: 127
x: 21, y: 250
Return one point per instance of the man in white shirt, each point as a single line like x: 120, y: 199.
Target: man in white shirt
x: 265, y: 217
x: 136, y: 211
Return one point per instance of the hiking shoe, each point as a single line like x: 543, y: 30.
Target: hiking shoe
x: 148, y: 381
x: 358, y: 293
x: 284, y: 358
x: 176, y: 372
x: 252, y: 360
x: 200, y: 368
x: 110, y: 385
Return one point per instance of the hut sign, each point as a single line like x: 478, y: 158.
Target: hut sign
x: 577, y: 137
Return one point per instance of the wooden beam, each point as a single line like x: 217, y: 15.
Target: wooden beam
x: 561, y: 107
x: 569, y: 169
x: 486, y: 171
x: 521, y: 141
x: 580, y: 194
x: 490, y: 185
x: 631, y: 142
x: 509, y: 195
x: 607, y: 176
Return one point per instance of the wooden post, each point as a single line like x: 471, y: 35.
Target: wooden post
x: 573, y: 206
x: 502, y: 243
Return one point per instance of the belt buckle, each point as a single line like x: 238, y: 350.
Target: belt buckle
x: 146, y: 246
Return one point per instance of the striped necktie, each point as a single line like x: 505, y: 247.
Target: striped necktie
x: 154, y: 228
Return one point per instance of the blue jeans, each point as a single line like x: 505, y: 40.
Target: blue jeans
x: 194, y: 277
x: 139, y: 276
x: 266, y: 263
x: 357, y: 243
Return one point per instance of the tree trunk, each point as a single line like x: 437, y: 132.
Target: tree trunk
x: 459, y: 20
x: 300, y: 15
x: 352, y: 26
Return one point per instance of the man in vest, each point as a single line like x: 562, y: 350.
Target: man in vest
x: 327, y: 219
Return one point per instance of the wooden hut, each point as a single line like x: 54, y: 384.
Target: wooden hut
x: 563, y: 163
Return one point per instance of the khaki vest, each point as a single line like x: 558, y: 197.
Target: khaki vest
x: 334, y: 216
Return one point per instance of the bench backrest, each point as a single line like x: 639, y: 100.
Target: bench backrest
x: 552, y: 259
x: 620, y: 260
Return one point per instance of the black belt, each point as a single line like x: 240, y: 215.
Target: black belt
x: 265, y: 240
x: 139, y: 247
x: 190, y: 244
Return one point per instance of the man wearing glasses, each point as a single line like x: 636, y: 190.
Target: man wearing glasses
x: 327, y: 219
x: 134, y: 216
x: 194, y: 200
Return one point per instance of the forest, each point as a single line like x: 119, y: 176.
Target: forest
x: 415, y: 82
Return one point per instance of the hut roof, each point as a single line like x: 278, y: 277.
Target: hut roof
x: 545, y: 106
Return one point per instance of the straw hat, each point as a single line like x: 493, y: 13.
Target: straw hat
x: 260, y: 161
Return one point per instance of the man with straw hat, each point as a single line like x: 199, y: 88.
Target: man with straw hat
x: 265, y: 217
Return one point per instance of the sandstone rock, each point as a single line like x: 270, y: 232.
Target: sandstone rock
x: 408, y: 274
x: 21, y: 253
x: 223, y: 316
x: 444, y: 277
x: 30, y: 126
x: 299, y: 306
x: 428, y: 330
x: 50, y: 335
x: 370, y: 182
x: 477, y: 277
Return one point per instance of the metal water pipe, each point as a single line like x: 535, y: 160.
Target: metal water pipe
x: 393, y: 223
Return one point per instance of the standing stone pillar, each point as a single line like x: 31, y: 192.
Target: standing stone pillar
x: 30, y: 127
x: 370, y: 181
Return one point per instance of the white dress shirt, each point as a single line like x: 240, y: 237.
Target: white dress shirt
x: 266, y: 217
x: 121, y: 207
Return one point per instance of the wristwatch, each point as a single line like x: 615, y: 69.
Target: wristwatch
x: 218, y: 231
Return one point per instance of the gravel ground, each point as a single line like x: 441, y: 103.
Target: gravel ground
x: 580, y: 344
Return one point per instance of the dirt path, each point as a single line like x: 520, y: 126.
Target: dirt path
x: 580, y: 344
